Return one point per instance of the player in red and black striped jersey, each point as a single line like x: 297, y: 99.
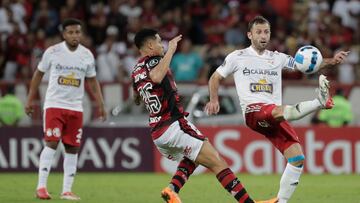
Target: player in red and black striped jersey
x: 161, y: 99
x: 174, y: 136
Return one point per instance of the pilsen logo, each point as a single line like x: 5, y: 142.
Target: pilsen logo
x: 261, y: 86
x: 69, y: 80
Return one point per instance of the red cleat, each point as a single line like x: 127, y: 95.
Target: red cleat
x: 69, y: 196
x: 42, y: 193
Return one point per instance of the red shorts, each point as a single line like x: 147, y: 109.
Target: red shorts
x: 63, y: 124
x: 259, y: 118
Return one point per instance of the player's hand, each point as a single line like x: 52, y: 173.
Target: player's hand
x: 212, y: 107
x: 340, y: 57
x: 173, y: 43
x: 102, y: 113
x: 29, y: 109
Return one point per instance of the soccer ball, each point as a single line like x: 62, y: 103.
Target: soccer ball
x: 308, y: 59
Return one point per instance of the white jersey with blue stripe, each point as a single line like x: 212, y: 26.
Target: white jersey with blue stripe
x: 257, y: 77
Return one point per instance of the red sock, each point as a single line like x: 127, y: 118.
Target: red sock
x: 185, y: 168
x: 232, y: 184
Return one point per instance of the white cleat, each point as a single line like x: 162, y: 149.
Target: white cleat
x: 324, y: 96
x: 69, y: 196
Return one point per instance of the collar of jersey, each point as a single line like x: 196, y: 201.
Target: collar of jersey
x: 67, y: 48
x: 255, y: 52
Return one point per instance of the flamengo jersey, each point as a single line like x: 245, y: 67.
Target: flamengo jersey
x: 161, y: 100
x: 68, y: 70
x: 257, y: 77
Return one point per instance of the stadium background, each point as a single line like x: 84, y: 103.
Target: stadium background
x: 211, y: 30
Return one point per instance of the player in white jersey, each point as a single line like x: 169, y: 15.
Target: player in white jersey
x: 69, y: 65
x: 257, y: 75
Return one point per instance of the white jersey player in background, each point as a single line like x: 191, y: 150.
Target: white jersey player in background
x: 69, y: 64
x: 257, y: 75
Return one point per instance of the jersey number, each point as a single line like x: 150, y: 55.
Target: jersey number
x: 152, y: 102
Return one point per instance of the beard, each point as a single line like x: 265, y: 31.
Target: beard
x: 261, y: 45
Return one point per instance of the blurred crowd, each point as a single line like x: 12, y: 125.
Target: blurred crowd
x: 211, y: 29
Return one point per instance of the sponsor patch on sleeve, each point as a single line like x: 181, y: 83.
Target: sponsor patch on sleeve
x: 154, y: 61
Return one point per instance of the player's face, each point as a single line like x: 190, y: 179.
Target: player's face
x: 260, y: 36
x: 72, y: 35
x: 157, y: 46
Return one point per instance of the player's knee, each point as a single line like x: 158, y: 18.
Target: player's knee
x: 71, y: 149
x: 278, y: 113
x: 297, y: 161
x: 52, y: 144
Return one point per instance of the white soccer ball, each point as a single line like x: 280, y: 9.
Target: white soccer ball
x: 308, y: 59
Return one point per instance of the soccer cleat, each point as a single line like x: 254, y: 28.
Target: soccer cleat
x: 273, y: 200
x: 170, y: 196
x: 69, y: 196
x: 324, y: 96
x: 42, y: 193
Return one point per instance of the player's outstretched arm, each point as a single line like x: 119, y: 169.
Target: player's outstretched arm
x: 95, y: 88
x: 337, y: 59
x: 34, y: 86
x: 158, y: 73
x: 213, y: 107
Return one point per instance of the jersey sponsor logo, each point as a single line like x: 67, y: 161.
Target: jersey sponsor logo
x: 154, y: 119
x: 140, y: 76
x: 248, y: 71
x: 69, y: 80
x: 261, y: 86
x: 72, y: 68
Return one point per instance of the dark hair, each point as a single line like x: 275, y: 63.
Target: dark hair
x: 70, y: 21
x: 257, y: 20
x: 143, y: 35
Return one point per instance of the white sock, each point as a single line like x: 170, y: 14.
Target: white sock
x: 70, y: 165
x: 289, y: 181
x: 295, y: 112
x: 46, y: 157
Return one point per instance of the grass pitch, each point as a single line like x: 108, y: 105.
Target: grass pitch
x: 146, y: 187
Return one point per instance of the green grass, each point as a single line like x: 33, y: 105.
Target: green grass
x: 146, y: 187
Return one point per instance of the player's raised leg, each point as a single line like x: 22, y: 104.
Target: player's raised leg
x: 298, y: 111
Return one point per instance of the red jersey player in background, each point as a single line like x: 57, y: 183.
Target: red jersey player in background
x: 174, y: 136
x: 257, y: 75
x: 69, y: 64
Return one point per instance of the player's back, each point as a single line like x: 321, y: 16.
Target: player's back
x: 161, y: 100
x: 67, y: 70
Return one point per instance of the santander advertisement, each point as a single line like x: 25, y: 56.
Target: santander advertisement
x: 327, y: 150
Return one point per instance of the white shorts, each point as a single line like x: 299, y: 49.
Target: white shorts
x: 181, y: 139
